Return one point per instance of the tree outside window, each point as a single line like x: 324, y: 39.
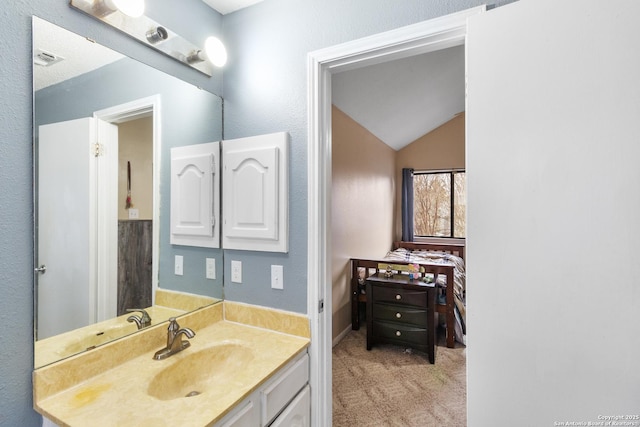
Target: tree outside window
x: 439, y: 197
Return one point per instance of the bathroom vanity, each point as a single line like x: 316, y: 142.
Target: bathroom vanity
x: 246, y: 366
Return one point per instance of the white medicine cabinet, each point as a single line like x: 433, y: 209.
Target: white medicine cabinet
x: 254, y: 196
x: 195, y: 195
x: 255, y: 193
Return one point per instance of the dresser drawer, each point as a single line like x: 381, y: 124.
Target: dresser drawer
x: 412, y: 297
x: 399, y: 332
x: 400, y: 313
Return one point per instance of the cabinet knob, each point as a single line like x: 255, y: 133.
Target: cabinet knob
x: 398, y: 315
x: 398, y: 296
x: 398, y: 333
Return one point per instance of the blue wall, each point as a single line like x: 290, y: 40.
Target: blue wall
x: 189, y: 116
x: 265, y: 90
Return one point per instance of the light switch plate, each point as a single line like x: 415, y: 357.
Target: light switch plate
x: 211, y: 268
x: 178, y: 266
x: 236, y: 271
x: 277, y: 277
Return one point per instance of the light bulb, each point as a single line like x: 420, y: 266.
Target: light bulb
x: 132, y: 8
x: 195, y: 57
x: 215, y: 51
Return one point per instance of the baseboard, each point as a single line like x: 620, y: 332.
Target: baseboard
x: 341, y: 335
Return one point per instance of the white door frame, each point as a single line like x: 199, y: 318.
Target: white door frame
x: 428, y: 36
x: 107, y: 298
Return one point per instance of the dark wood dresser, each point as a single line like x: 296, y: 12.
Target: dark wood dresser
x: 402, y: 312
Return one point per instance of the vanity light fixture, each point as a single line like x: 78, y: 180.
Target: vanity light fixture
x: 131, y: 8
x: 156, y: 35
x: 214, y: 52
x: 128, y: 16
x: 195, y: 57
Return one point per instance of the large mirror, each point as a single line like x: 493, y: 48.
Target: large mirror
x: 104, y: 125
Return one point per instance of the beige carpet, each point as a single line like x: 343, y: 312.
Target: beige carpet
x: 393, y: 386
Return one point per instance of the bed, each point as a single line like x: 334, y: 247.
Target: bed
x: 443, y: 264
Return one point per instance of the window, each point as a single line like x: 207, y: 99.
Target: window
x: 437, y: 198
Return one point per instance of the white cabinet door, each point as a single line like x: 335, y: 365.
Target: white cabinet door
x: 286, y: 393
x: 255, y: 205
x: 195, y: 195
x: 279, y: 392
x: 298, y: 413
x: 247, y: 415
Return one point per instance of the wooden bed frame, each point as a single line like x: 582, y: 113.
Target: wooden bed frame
x: 372, y: 265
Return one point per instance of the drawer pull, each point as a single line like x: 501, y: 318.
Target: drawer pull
x: 398, y: 333
x: 398, y: 315
x: 398, y: 296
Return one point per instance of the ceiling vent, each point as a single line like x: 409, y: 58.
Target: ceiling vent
x: 45, y: 59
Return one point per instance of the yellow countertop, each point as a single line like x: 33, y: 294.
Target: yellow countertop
x: 108, y: 387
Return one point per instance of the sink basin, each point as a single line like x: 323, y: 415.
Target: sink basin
x: 199, y: 372
x: 98, y: 337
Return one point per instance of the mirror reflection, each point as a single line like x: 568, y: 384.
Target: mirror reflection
x: 104, y: 125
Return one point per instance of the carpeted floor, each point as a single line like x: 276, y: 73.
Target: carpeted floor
x: 393, y: 386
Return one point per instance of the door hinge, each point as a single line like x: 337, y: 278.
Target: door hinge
x: 320, y: 306
x: 98, y: 150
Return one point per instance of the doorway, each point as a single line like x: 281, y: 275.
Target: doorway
x: 429, y: 36
x: 399, y: 114
x: 111, y: 294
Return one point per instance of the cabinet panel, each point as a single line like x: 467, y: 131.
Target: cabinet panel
x: 195, y: 195
x: 255, y: 197
x: 245, y: 416
x: 191, y: 193
x: 278, y: 394
x: 298, y: 413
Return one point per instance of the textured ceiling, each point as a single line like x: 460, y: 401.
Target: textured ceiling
x: 80, y: 55
x: 402, y: 100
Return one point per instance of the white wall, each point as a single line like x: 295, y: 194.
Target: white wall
x: 552, y: 173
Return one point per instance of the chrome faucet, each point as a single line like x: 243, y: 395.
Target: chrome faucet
x: 142, y: 321
x: 174, y: 341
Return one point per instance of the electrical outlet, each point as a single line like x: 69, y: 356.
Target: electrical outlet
x: 236, y: 271
x: 134, y: 213
x: 276, y: 277
x: 211, y: 268
x: 178, y: 265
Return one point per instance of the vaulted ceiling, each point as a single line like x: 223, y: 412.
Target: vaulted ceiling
x: 402, y: 100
